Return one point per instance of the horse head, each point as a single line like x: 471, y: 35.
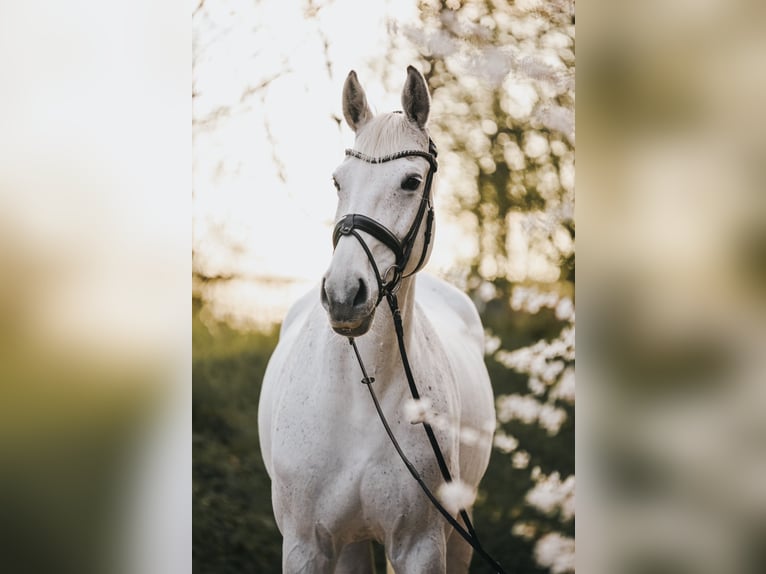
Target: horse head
x: 384, y: 196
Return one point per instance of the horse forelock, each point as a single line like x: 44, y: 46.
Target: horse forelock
x: 389, y: 133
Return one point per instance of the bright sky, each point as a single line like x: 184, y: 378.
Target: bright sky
x: 264, y: 205
x: 282, y: 228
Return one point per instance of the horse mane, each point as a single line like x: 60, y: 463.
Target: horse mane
x: 389, y: 133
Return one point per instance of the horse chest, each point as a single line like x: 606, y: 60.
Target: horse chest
x: 334, y: 461
x: 337, y: 433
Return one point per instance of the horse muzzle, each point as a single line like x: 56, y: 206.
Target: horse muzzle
x: 350, y: 310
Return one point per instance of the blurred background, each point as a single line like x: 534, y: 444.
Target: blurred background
x: 97, y: 159
x: 672, y: 213
x: 95, y: 226
x: 268, y: 132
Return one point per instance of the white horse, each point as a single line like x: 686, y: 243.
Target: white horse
x: 337, y: 482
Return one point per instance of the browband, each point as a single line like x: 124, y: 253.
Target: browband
x: 430, y: 156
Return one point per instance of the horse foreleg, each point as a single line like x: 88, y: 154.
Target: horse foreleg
x: 459, y: 554
x: 421, y: 553
x: 313, y: 553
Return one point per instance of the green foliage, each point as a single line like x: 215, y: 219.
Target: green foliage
x: 501, y: 500
x: 234, y: 528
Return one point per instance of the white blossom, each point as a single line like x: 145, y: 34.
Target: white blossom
x: 568, y: 336
x: 550, y: 494
x: 486, y: 291
x: 520, y: 459
x: 565, y: 389
x: 524, y: 530
x: 531, y: 299
x: 536, y: 386
x: 491, y: 342
x: 552, y: 370
x: 551, y: 418
x: 556, y: 552
x: 528, y: 410
x: 439, y: 422
x: 469, y: 436
x: 535, y: 145
x: 517, y: 360
x: 505, y: 443
x: 456, y: 495
x: 528, y: 5
x: 417, y: 410
x: 521, y: 407
x: 558, y: 118
x: 565, y: 309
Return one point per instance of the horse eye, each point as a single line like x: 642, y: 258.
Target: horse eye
x: 411, y: 183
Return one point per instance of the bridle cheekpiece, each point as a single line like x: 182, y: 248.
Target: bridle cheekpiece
x: 352, y: 223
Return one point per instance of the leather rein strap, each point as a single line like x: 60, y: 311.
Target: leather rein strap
x: 468, y: 535
x: 351, y: 224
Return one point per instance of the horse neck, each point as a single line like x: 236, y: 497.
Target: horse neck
x: 381, y: 343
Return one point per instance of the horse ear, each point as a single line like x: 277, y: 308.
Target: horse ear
x: 355, y: 108
x: 416, y: 102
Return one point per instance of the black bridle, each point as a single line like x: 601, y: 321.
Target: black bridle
x: 352, y: 224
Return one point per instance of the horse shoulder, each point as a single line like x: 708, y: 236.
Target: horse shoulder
x: 295, y: 320
x: 450, y: 309
x: 456, y: 322
x: 457, y: 325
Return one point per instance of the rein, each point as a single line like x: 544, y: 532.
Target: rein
x: 348, y: 225
x: 468, y: 533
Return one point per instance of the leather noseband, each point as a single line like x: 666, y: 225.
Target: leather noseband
x: 352, y: 223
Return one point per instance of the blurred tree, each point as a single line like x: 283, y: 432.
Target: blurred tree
x: 502, y: 83
x: 234, y: 527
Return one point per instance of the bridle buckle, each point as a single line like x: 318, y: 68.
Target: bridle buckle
x: 395, y: 279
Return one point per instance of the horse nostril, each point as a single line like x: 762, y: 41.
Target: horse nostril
x: 361, y: 295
